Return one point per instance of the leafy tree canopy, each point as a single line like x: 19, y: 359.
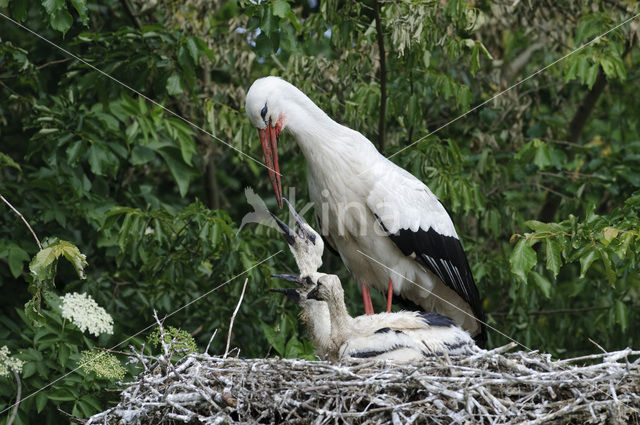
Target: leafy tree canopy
x: 123, y: 153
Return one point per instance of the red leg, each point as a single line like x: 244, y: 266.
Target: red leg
x: 389, y: 295
x: 366, y: 299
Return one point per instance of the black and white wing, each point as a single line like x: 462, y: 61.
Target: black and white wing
x: 419, y: 225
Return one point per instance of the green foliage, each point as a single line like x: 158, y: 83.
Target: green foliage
x: 544, y: 188
x: 180, y: 341
x: 105, y: 366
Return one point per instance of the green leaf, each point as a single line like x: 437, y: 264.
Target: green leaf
x: 28, y: 369
x: 192, y: 47
x: 606, y: 260
x: 522, y: 259
x: 81, y: 8
x: 6, y: 160
x: 174, y: 85
x: 592, y: 74
x: 542, y: 158
x: 274, y: 338
x: 609, y: 234
x: 74, y: 151
x: 52, y: 5
x: 41, y: 401
x: 280, y: 8
x: 181, y: 173
x: 61, y: 20
x: 586, y: 260
x: 141, y: 155
x: 554, y: 258
x: 62, y: 394
x: 43, y: 264
x: 102, y: 160
x: 17, y: 257
x: 19, y: 9
x: 542, y: 283
x: 608, y: 67
x: 538, y: 226
x: 622, y: 315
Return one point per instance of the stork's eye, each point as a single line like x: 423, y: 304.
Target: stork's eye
x: 263, y: 113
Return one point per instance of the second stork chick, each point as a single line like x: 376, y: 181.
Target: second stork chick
x: 402, y: 337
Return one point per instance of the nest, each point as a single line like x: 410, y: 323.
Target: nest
x: 488, y: 387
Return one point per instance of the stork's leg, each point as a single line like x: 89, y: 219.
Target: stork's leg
x: 389, y: 295
x: 366, y: 299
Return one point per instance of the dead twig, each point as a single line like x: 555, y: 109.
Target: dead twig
x: 233, y: 317
x: 18, y: 398
x: 490, y: 387
x: 23, y: 219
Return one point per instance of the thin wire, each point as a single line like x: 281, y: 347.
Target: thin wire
x: 139, y: 332
x: 147, y: 98
x: 447, y: 302
x: 515, y: 85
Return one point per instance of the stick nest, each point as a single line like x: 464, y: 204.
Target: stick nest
x: 488, y: 387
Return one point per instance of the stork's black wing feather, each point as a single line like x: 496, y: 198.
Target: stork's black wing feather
x: 444, y: 257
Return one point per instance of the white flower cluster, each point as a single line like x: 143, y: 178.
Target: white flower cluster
x: 86, y: 314
x: 7, y: 364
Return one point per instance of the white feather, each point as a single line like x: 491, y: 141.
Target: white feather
x: 350, y: 181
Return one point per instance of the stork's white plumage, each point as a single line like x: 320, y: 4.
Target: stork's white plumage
x: 307, y: 248
x: 402, y: 337
x: 369, y: 208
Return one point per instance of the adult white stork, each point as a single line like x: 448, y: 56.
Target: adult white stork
x: 390, y: 230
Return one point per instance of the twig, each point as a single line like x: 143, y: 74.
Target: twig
x: 23, y: 219
x: 18, y: 398
x: 233, y: 317
x: 210, y: 340
x: 71, y: 418
x: 44, y: 65
x: 494, y: 387
x: 597, y: 345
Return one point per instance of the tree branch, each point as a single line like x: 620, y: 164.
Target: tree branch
x: 383, y: 76
x: 23, y: 219
x: 586, y: 107
x: 18, y: 398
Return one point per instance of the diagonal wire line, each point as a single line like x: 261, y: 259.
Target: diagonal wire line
x: 147, y: 98
x: 141, y: 331
x: 593, y: 40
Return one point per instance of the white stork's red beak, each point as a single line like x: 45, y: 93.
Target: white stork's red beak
x: 269, y: 139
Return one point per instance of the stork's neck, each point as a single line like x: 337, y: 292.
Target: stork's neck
x: 320, y: 137
x: 340, y: 318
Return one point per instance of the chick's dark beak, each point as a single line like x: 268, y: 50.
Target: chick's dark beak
x: 291, y: 294
x: 286, y: 230
x: 314, y: 294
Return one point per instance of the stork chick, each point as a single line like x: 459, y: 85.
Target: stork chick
x: 402, y: 337
x: 307, y: 247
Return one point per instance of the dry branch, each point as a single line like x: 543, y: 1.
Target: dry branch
x: 489, y: 387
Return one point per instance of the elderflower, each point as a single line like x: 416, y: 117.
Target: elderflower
x: 104, y: 365
x: 86, y: 314
x: 7, y: 364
